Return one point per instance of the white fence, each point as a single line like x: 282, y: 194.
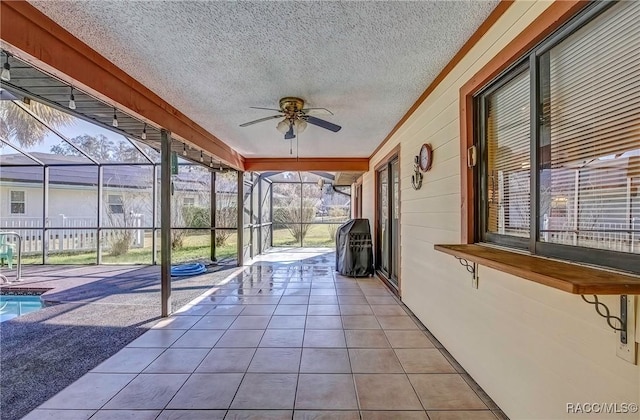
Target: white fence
x: 65, y: 234
x: 611, y: 236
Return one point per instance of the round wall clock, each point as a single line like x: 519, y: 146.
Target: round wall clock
x: 425, y: 157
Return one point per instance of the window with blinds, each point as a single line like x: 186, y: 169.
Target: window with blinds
x: 585, y: 172
x: 508, y: 158
x: 590, y: 134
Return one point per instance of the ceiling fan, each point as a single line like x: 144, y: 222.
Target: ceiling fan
x: 296, y: 117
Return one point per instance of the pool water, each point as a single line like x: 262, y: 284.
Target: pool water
x: 12, y: 306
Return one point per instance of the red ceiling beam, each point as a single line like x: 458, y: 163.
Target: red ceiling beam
x: 307, y: 164
x: 33, y: 37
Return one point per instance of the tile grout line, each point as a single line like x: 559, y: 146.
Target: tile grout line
x: 304, y: 330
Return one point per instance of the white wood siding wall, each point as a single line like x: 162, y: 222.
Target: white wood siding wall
x: 532, y: 348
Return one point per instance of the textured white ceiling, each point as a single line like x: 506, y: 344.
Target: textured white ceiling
x: 368, y: 62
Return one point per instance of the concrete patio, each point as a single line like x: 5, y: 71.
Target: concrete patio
x: 283, y: 338
x: 98, y: 311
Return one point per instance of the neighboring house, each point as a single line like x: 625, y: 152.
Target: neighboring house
x: 127, y: 199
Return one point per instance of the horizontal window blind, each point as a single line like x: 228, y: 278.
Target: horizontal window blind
x: 590, y: 147
x: 508, y: 158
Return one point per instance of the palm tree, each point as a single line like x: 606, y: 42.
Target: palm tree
x: 17, y: 124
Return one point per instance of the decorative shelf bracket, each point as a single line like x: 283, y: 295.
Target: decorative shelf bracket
x: 622, y: 320
x: 472, y: 268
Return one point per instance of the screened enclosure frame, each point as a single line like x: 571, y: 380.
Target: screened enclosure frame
x: 45, y: 237
x: 297, y: 178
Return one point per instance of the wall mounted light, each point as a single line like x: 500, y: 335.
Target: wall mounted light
x: 115, y: 119
x: 211, y: 163
x: 184, y: 149
x: 6, y: 69
x: 143, y: 136
x: 72, y: 100
x: 201, y: 156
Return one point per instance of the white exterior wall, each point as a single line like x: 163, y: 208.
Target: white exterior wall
x: 72, y: 202
x: 532, y: 348
x: 33, y: 202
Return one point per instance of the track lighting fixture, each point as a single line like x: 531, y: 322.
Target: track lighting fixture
x: 143, y: 136
x: 201, y: 156
x: 184, y: 149
x: 211, y: 163
x: 72, y: 100
x: 115, y: 119
x: 6, y: 69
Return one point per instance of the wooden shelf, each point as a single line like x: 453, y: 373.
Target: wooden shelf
x: 572, y: 278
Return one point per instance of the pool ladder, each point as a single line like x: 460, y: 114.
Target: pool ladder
x: 3, y: 279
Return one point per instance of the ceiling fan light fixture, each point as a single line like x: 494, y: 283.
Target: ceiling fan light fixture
x: 300, y: 125
x: 283, y: 126
x: 289, y: 134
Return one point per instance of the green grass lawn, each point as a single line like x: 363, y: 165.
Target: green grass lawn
x: 317, y: 236
x: 195, y: 247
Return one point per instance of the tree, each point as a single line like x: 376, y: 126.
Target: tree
x: 101, y: 148
x: 26, y: 130
x: 226, y: 205
x: 97, y: 147
x: 292, y: 211
x: 125, y: 205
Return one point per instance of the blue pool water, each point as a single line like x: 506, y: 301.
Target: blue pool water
x: 12, y: 306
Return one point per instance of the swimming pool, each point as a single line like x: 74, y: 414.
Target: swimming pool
x: 12, y: 306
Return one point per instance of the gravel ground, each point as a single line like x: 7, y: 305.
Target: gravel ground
x: 43, y: 352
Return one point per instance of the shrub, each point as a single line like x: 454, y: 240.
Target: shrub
x: 295, y: 217
x: 120, y: 242
x: 196, y: 217
x: 225, y: 216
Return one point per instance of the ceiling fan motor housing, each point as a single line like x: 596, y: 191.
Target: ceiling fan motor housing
x: 291, y: 106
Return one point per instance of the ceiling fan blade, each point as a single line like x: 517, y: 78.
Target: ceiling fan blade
x: 260, y: 120
x: 268, y: 109
x: 322, y: 123
x: 317, y: 111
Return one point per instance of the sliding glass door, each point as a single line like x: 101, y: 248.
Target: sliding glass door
x: 388, y: 221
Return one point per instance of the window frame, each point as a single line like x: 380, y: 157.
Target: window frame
x: 111, y: 205
x: 23, y: 202
x: 531, y: 60
x: 483, y: 179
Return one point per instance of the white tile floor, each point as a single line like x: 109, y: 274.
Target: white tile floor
x: 285, y: 338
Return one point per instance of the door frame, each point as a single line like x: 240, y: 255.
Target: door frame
x: 393, y: 155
